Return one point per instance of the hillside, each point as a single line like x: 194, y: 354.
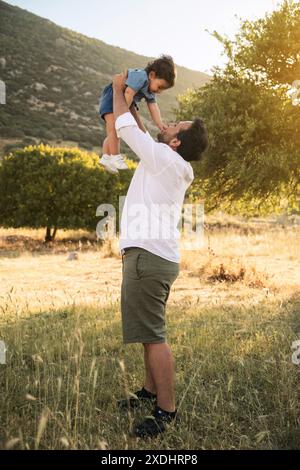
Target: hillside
x: 54, y: 77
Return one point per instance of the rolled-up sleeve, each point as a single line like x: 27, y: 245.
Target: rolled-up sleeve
x: 150, y: 98
x: 136, y: 79
x: 124, y: 120
x: 154, y: 155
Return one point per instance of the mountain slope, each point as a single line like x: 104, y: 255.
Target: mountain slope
x: 54, y: 77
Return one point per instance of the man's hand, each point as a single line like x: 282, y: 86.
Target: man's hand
x: 119, y: 101
x: 119, y: 80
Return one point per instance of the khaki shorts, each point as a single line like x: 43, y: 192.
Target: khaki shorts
x: 146, y: 284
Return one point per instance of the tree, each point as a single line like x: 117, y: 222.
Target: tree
x: 41, y: 186
x: 270, y: 46
x: 254, y: 155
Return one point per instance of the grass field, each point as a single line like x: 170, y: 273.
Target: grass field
x: 232, y: 316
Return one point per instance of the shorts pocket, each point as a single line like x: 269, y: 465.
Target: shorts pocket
x: 141, y: 265
x: 168, y: 290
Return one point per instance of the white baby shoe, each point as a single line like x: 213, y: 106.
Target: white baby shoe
x: 118, y: 162
x: 107, y: 161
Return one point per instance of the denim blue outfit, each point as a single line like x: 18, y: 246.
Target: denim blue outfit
x: 137, y: 80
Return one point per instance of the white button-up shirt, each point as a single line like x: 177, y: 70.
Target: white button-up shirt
x: 153, y: 205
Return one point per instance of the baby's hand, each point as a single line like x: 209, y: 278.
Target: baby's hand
x: 162, y: 127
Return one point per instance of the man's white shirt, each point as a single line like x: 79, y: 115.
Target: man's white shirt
x: 153, y: 205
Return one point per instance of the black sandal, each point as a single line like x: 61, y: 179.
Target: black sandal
x: 155, y: 424
x: 141, y: 396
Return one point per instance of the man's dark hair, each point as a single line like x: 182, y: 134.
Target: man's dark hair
x: 194, y: 141
x: 163, y: 67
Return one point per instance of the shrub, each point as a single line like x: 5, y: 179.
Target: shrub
x: 42, y: 186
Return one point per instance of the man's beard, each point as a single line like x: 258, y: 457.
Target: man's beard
x: 160, y: 138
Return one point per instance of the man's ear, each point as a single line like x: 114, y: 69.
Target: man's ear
x: 174, y: 143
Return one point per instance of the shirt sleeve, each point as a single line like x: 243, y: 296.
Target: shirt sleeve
x: 151, y: 98
x: 155, y: 156
x: 136, y: 79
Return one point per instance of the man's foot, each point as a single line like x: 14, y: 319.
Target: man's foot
x: 118, y: 162
x: 107, y: 162
x: 141, y: 397
x: 155, y: 424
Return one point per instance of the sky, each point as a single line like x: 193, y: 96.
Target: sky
x: 154, y: 27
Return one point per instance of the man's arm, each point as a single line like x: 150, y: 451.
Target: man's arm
x: 119, y: 102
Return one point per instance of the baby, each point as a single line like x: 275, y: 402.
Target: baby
x: 158, y: 76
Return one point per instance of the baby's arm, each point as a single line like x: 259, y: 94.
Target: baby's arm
x: 137, y: 117
x: 129, y: 95
x: 155, y: 114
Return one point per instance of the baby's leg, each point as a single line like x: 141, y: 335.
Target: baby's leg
x: 105, y: 146
x: 113, y: 143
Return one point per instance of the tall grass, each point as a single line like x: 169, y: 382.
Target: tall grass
x: 236, y: 385
x: 231, y: 336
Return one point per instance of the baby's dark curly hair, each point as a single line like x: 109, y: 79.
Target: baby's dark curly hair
x: 163, y: 67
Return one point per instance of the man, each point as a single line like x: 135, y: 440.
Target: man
x: 149, y: 246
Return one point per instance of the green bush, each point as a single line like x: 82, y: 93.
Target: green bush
x: 42, y: 186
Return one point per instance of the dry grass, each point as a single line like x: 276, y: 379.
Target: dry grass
x: 232, y: 317
x: 14, y: 242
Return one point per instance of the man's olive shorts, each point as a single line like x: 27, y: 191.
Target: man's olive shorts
x: 146, y: 284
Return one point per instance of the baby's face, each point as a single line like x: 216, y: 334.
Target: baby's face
x: 157, y: 85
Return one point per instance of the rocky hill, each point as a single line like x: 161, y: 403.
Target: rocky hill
x: 54, y: 77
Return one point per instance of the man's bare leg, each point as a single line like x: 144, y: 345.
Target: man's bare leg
x: 161, y: 364
x: 149, y: 382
